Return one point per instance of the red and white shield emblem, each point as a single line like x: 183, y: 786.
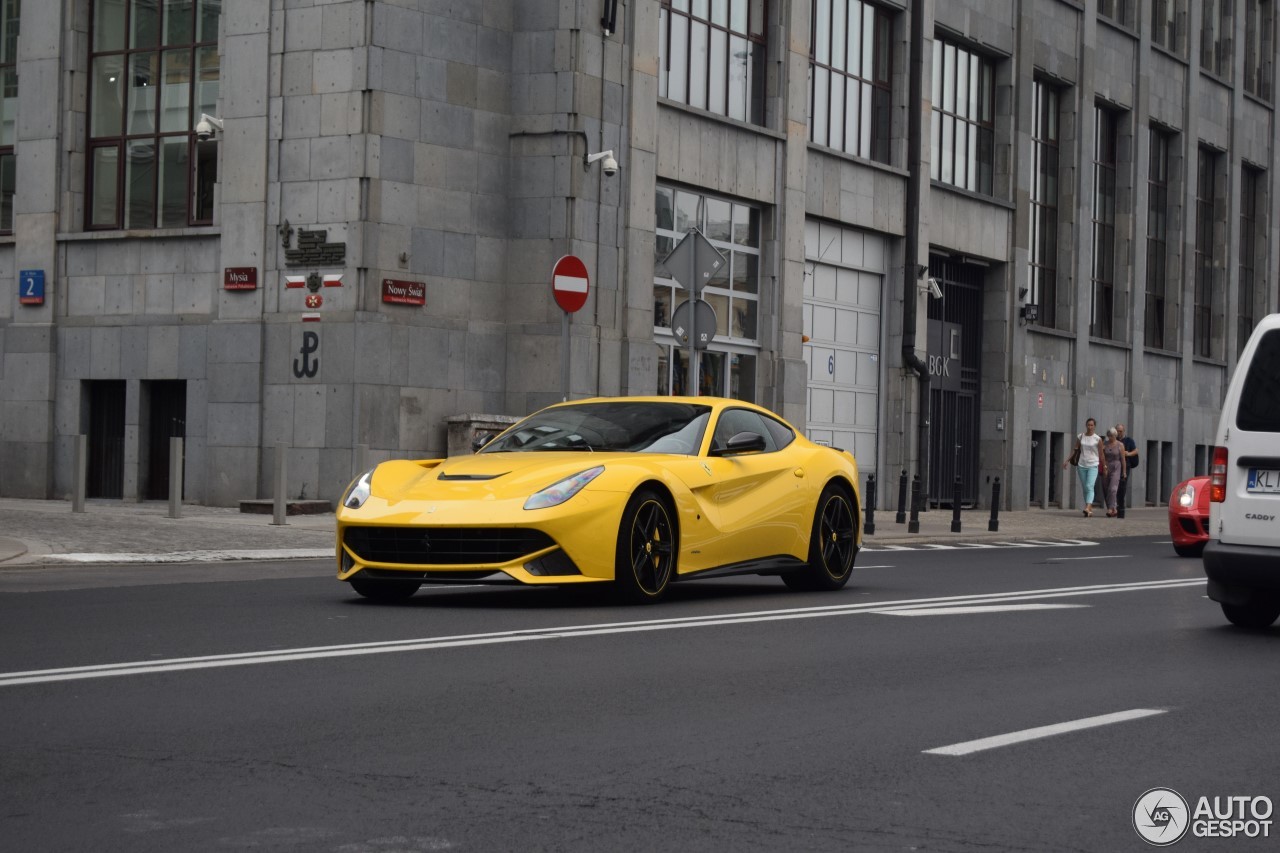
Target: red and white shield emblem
x: 314, y: 300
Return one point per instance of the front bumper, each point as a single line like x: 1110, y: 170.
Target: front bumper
x: 1241, y: 574
x: 571, y: 543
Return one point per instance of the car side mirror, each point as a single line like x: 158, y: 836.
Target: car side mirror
x: 743, y: 442
x: 481, y: 440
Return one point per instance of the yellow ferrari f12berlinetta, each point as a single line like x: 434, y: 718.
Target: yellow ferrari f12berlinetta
x: 632, y: 492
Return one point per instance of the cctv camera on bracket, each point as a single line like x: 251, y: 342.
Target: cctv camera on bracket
x: 205, y: 127
x: 935, y: 290
x: 609, y: 166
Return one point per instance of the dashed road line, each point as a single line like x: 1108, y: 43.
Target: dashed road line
x: 968, y: 546
x: 972, y: 746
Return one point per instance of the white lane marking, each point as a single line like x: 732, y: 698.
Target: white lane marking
x: 981, y: 608
x: 966, y: 546
x: 193, y: 556
x: 981, y: 744
x: 1093, y: 557
x: 874, y: 567
x: 10, y: 679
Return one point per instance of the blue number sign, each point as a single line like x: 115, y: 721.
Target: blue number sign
x: 31, y: 287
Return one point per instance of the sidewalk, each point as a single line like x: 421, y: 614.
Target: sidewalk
x: 45, y: 532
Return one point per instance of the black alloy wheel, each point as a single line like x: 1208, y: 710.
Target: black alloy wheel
x: 833, y: 545
x: 646, y: 553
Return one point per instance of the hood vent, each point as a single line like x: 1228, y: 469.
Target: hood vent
x: 469, y: 477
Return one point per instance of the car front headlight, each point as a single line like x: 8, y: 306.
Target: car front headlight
x: 559, y: 492
x: 358, y: 492
x: 1187, y: 496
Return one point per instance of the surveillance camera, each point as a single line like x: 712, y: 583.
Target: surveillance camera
x: 608, y: 163
x: 934, y: 290
x: 206, y: 127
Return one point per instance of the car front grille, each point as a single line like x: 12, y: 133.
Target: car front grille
x: 443, y: 546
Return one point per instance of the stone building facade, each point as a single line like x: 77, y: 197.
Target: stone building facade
x: 357, y: 245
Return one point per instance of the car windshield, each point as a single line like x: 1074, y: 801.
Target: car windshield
x: 609, y: 427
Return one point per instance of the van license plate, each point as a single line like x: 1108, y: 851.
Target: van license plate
x: 1264, y: 480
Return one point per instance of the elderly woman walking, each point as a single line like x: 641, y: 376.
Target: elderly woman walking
x: 1115, y: 469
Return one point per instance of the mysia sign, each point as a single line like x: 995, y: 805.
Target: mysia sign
x: 240, y: 278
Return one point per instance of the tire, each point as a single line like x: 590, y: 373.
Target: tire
x: 1189, y: 550
x: 645, y: 559
x: 1253, y: 616
x: 833, y: 544
x: 380, y: 590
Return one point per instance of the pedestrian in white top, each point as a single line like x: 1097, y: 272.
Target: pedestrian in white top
x: 1087, y: 458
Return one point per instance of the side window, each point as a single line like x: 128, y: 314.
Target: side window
x: 782, y: 434
x: 1259, y: 407
x: 734, y: 421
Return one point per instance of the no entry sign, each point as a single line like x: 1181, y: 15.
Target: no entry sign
x: 570, y: 283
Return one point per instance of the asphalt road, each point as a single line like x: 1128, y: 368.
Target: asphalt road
x: 265, y: 707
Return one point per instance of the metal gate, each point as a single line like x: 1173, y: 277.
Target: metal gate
x: 955, y: 364
x: 167, y: 401
x: 105, y: 475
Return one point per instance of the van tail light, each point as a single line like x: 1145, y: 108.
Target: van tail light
x: 1218, y: 476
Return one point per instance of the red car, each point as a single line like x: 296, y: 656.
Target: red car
x: 1189, y: 516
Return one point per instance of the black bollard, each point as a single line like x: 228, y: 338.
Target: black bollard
x: 955, y: 507
x: 902, y: 498
x: 869, y: 526
x: 914, y: 525
x: 994, y: 524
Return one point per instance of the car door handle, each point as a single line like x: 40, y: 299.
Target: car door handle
x: 799, y: 472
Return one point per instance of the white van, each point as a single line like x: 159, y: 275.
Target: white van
x: 1242, y: 557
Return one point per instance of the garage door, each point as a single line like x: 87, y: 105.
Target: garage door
x: 844, y: 275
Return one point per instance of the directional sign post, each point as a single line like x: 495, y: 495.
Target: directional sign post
x: 570, y: 285
x: 693, y: 262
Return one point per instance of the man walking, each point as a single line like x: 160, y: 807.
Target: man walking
x: 1131, y: 458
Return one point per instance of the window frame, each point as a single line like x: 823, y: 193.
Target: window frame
x: 948, y: 112
x: 200, y: 157
x: 729, y: 367
x: 1217, y: 37
x: 1159, y: 332
x: 1259, y: 48
x: 724, y: 24
x: 8, y: 131
x: 1043, y: 250
x: 1253, y: 218
x: 1169, y: 25
x: 830, y: 78
x: 1206, y: 292
x: 1106, y: 174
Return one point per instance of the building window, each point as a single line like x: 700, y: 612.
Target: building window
x: 728, y: 367
x: 1105, y: 148
x: 1252, y: 227
x: 1169, y: 24
x: 1120, y: 11
x: 1207, y: 313
x: 8, y: 108
x: 1159, y: 321
x: 1044, y: 202
x: 1259, y: 31
x: 1215, y: 37
x: 153, y: 69
x: 711, y: 55
x: 963, y: 145
x: 850, y: 82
